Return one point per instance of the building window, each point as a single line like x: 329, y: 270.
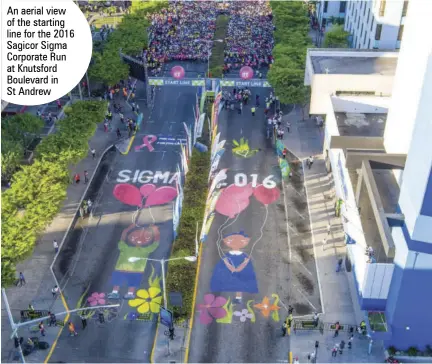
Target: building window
x: 368, y: 16
x: 400, y: 33
x: 361, y: 32
x: 364, y: 11
x: 405, y: 8
x: 364, y: 39
x: 369, y: 44
x: 325, y: 6
x: 342, y: 7
x: 382, y: 7
x: 372, y: 24
x: 378, y: 32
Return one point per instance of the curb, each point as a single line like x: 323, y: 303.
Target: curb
x: 54, y: 344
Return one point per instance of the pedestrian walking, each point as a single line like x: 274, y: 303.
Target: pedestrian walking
x: 290, y: 310
x: 328, y: 229
x: 89, y: 205
x: 315, y: 319
x: 118, y: 133
x: 121, y: 118
x: 337, y: 328
x: 284, y: 153
x: 137, y: 108
x: 253, y: 110
x: 42, y: 328
x: 284, y: 328
x: 83, y: 322
x: 133, y: 106
x: 86, y: 179
x: 21, y: 278
x: 296, y: 360
x: 339, y: 265
x: 72, y: 330
x: 77, y: 178
x: 310, y: 162
x: 54, y: 291
x: 106, y: 127
x: 31, y: 307
x: 59, y: 105
x: 324, y: 243
x: 55, y: 246
x: 341, y: 347
x: 93, y: 152
x: 288, y: 125
x: 350, y: 341
x: 334, y: 351
x: 52, y: 319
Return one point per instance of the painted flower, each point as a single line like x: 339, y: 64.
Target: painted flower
x: 266, y: 307
x: 243, y: 314
x: 147, y: 300
x: 212, y: 308
x: 96, y: 299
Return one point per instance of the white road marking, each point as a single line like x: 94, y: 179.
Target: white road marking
x: 307, y: 270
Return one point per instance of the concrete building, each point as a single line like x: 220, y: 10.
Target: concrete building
x: 378, y: 149
x: 326, y: 10
x: 377, y: 24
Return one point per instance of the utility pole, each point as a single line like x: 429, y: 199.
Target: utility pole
x: 88, y: 85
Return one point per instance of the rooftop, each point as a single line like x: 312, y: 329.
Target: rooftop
x: 388, y: 189
x: 378, y: 65
x: 359, y: 124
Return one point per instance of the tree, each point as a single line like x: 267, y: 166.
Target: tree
x: 336, y: 37
x: 11, y: 157
x: 21, y: 128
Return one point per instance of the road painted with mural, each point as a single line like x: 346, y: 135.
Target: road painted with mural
x: 243, y: 284
x: 104, y: 260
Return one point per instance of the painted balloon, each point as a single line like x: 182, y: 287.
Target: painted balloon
x: 177, y: 72
x: 266, y: 195
x: 237, y: 192
x: 128, y: 194
x: 233, y: 200
x: 147, y: 190
x: 161, y: 196
x: 246, y: 73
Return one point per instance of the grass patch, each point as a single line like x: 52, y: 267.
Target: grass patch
x: 377, y: 321
x: 181, y: 273
x: 217, y: 55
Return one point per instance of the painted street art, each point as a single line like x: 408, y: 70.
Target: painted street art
x: 221, y: 310
x: 137, y: 242
x: 150, y: 141
x: 241, y: 149
x: 234, y: 273
x: 139, y: 176
x: 97, y: 299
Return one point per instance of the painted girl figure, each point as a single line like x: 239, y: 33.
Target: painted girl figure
x: 235, y: 271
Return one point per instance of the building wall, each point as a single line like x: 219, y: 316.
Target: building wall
x: 324, y: 85
x: 409, y: 301
x: 361, y: 104
x: 333, y: 8
x: 362, y: 18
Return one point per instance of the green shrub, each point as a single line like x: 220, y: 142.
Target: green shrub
x: 181, y: 273
x: 412, y: 351
x: 392, y: 350
x: 428, y: 350
x: 38, y: 190
x: 217, y: 56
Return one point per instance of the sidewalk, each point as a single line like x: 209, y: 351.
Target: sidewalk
x: 306, y: 139
x: 36, y: 269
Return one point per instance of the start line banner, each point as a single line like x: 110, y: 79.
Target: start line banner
x: 167, y: 81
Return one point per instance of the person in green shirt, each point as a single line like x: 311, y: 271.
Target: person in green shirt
x: 138, y: 243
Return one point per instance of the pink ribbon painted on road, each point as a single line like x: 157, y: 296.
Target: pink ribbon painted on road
x: 148, y: 140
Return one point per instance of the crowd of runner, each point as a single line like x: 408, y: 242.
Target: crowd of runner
x: 249, y: 40
x: 185, y: 31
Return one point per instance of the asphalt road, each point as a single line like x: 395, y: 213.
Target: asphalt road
x: 257, y: 336
x: 89, y: 259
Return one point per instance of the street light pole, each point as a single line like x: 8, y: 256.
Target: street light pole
x: 148, y: 88
x: 88, y: 85
x: 162, y: 262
